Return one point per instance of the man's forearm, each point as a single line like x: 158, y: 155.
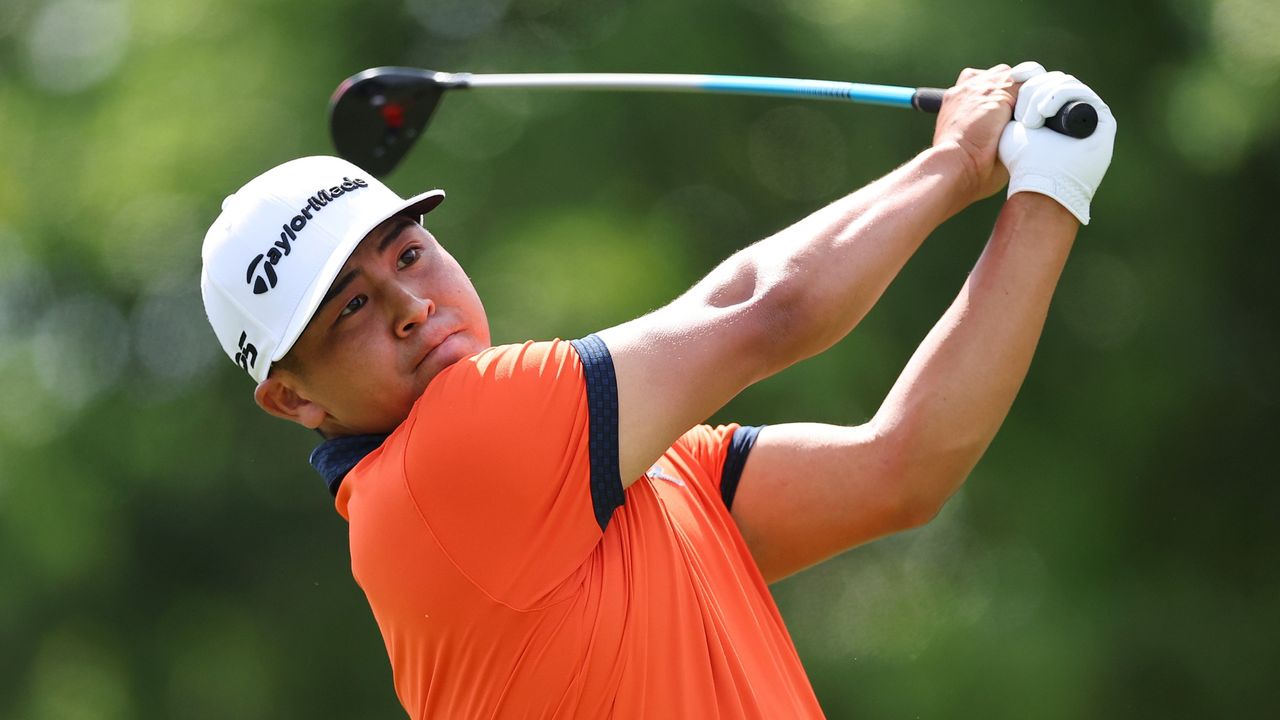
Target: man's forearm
x: 822, y: 274
x: 956, y: 390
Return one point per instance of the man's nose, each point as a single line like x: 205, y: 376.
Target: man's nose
x: 411, y: 311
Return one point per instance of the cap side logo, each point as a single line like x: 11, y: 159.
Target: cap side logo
x: 248, y: 355
x: 267, y: 278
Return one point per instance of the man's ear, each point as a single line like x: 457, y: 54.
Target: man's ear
x: 278, y: 396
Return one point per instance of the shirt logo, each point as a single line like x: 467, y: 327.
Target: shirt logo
x: 657, y: 473
x: 262, y: 275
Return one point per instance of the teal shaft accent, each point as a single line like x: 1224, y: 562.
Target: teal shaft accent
x: 857, y: 92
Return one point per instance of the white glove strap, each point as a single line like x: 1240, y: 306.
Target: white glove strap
x: 1068, y: 191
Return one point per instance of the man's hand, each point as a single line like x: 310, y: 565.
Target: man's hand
x: 974, y: 114
x: 1042, y: 161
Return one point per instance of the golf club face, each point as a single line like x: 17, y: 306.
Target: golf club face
x: 375, y: 116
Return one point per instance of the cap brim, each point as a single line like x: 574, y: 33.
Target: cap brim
x: 414, y: 207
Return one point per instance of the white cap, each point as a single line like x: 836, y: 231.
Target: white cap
x: 280, y: 241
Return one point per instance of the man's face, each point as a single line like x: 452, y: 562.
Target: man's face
x: 400, y: 311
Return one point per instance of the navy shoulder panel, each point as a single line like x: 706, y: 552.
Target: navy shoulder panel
x: 744, y: 438
x: 602, y: 404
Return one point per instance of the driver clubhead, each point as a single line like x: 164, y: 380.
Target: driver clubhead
x: 375, y: 116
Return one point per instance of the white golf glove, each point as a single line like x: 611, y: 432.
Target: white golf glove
x: 1040, y: 160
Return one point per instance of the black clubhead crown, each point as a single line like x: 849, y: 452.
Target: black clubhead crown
x: 376, y: 116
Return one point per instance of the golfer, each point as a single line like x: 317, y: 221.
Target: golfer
x: 546, y: 529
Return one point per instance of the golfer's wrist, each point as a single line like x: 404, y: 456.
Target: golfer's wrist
x: 955, y: 167
x: 1043, y: 209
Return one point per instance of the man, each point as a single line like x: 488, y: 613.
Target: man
x: 546, y: 529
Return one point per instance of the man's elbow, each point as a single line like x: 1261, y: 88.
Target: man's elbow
x: 763, y: 312
x: 918, y: 511
x: 794, y: 321
x: 929, y: 473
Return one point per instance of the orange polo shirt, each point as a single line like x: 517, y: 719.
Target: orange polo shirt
x: 511, y: 576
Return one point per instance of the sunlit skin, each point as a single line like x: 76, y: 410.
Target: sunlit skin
x: 400, y: 311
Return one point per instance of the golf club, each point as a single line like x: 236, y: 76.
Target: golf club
x: 375, y: 116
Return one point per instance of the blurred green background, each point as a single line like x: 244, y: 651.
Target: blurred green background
x: 166, y: 552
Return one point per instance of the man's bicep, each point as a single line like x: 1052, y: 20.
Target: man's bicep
x: 809, y: 491
x: 675, y: 367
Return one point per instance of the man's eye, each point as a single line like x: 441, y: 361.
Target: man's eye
x: 356, y: 303
x: 408, y: 257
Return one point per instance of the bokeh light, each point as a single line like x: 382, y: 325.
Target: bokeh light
x: 479, y: 127
x: 170, y: 340
x: 1102, y: 300
x: 1210, y: 119
x: 77, y: 676
x: 1245, y: 33
x: 798, y: 153
x: 75, y: 44
x: 80, y: 349
x: 458, y: 18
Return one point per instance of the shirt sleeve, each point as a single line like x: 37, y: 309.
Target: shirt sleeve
x: 722, y: 453
x: 499, y: 462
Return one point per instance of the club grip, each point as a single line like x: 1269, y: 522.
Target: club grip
x: 1076, y: 119
x: 927, y: 99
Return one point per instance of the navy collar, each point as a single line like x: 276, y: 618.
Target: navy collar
x: 335, y: 457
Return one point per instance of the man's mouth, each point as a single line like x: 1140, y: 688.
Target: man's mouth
x: 432, y: 347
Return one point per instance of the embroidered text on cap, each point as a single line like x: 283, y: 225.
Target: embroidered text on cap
x: 289, y: 232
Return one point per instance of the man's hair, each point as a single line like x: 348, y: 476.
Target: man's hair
x: 289, y: 363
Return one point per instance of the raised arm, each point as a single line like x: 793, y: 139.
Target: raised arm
x: 810, y: 491
x: 797, y: 292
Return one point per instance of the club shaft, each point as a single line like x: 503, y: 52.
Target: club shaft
x: 891, y: 95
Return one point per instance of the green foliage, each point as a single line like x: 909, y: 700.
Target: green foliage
x: 165, y: 551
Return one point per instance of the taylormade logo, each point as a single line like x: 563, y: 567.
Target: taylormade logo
x: 262, y: 275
